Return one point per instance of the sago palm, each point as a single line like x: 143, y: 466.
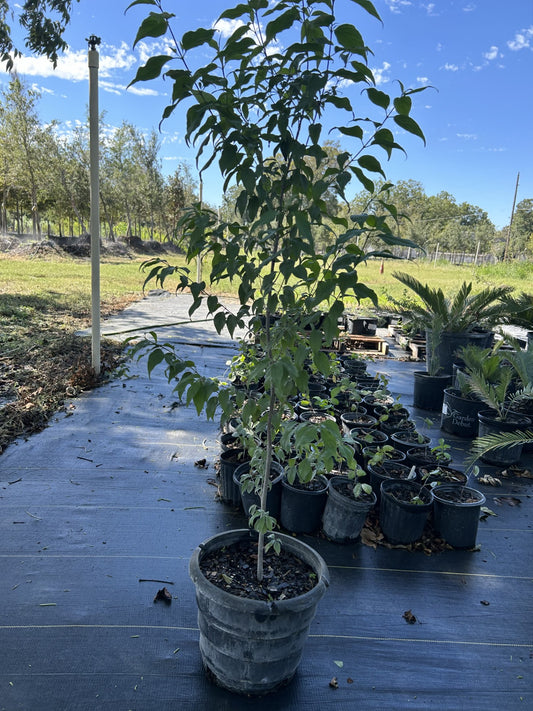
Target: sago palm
x: 458, y: 313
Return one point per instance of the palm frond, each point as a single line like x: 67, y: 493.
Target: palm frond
x: 522, y: 362
x: 490, y: 442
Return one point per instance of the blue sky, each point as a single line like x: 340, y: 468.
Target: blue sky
x: 477, y: 54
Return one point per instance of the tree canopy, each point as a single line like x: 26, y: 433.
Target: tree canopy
x: 44, y: 22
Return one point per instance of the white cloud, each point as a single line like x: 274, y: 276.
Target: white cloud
x: 492, y: 53
x: 142, y: 91
x: 398, y: 5
x: 522, y: 40
x: 467, y: 136
x: 42, y: 89
x: 451, y: 67
x: 470, y: 7
x: 72, y: 65
x: 381, y: 73
x: 227, y: 27
x: 430, y: 9
x: 146, y: 50
x: 422, y: 80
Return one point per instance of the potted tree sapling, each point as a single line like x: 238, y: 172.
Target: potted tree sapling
x: 461, y: 319
x: 257, y: 110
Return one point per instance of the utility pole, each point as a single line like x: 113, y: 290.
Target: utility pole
x: 508, y: 240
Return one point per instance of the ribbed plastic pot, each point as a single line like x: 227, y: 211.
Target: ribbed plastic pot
x: 401, y: 521
x: 488, y: 424
x: 228, y: 441
x: 428, y: 390
x: 457, y: 522
x: 385, y: 471
x: 459, y: 414
x: 230, y: 493
x: 273, y: 502
x: 409, y: 439
x: 253, y: 646
x: 301, y: 509
x: 344, y: 517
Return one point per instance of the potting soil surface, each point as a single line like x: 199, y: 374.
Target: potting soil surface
x: 103, y: 509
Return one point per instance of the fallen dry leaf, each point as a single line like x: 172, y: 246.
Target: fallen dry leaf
x: 201, y: 464
x: 490, y: 480
x: 163, y: 595
x: 409, y: 617
x: 510, y: 500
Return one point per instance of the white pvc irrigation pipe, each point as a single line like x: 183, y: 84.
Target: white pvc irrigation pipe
x: 95, y: 207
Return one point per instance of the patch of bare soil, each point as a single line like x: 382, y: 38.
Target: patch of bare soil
x: 37, y: 374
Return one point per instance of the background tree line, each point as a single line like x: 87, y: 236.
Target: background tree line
x: 44, y: 176
x: 432, y: 221
x: 44, y: 185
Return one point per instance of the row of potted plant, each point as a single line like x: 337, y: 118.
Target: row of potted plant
x: 310, y: 494
x: 480, y: 387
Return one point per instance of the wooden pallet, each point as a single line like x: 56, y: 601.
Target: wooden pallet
x: 418, y: 349
x: 371, y: 344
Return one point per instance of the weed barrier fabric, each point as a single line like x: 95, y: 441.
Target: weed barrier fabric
x: 104, y: 508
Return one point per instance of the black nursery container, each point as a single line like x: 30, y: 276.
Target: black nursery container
x: 403, y: 522
x: 301, y: 508
x: 457, y: 521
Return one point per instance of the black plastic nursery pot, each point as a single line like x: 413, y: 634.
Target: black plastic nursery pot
x: 254, y: 646
x: 362, y: 325
x: 229, y: 460
x: 428, y: 390
x: 460, y: 414
x: 489, y: 424
x: 301, y: 508
x: 456, y: 512
x: 450, y: 343
x: 409, y: 439
x: 273, y: 502
x: 344, y: 516
x: 440, y: 474
x: 379, y: 473
x: 403, y: 522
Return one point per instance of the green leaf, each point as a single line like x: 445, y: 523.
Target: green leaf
x: 155, y: 358
x: 410, y: 125
x: 378, y: 97
x: 340, y: 102
x: 354, y: 131
x: 283, y: 22
x: 196, y: 38
x: 350, y: 38
x: 155, y: 25
x: 368, y: 162
x: 140, y: 2
x: 369, y: 7
x: 314, y: 132
x: 403, y: 105
x: 152, y: 68
x: 234, y: 12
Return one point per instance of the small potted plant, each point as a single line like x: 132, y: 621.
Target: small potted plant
x: 347, y: 506
x: 501, y: 400
x: 380, y: 465
x: 456, y: 511
x: 404, y: 510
